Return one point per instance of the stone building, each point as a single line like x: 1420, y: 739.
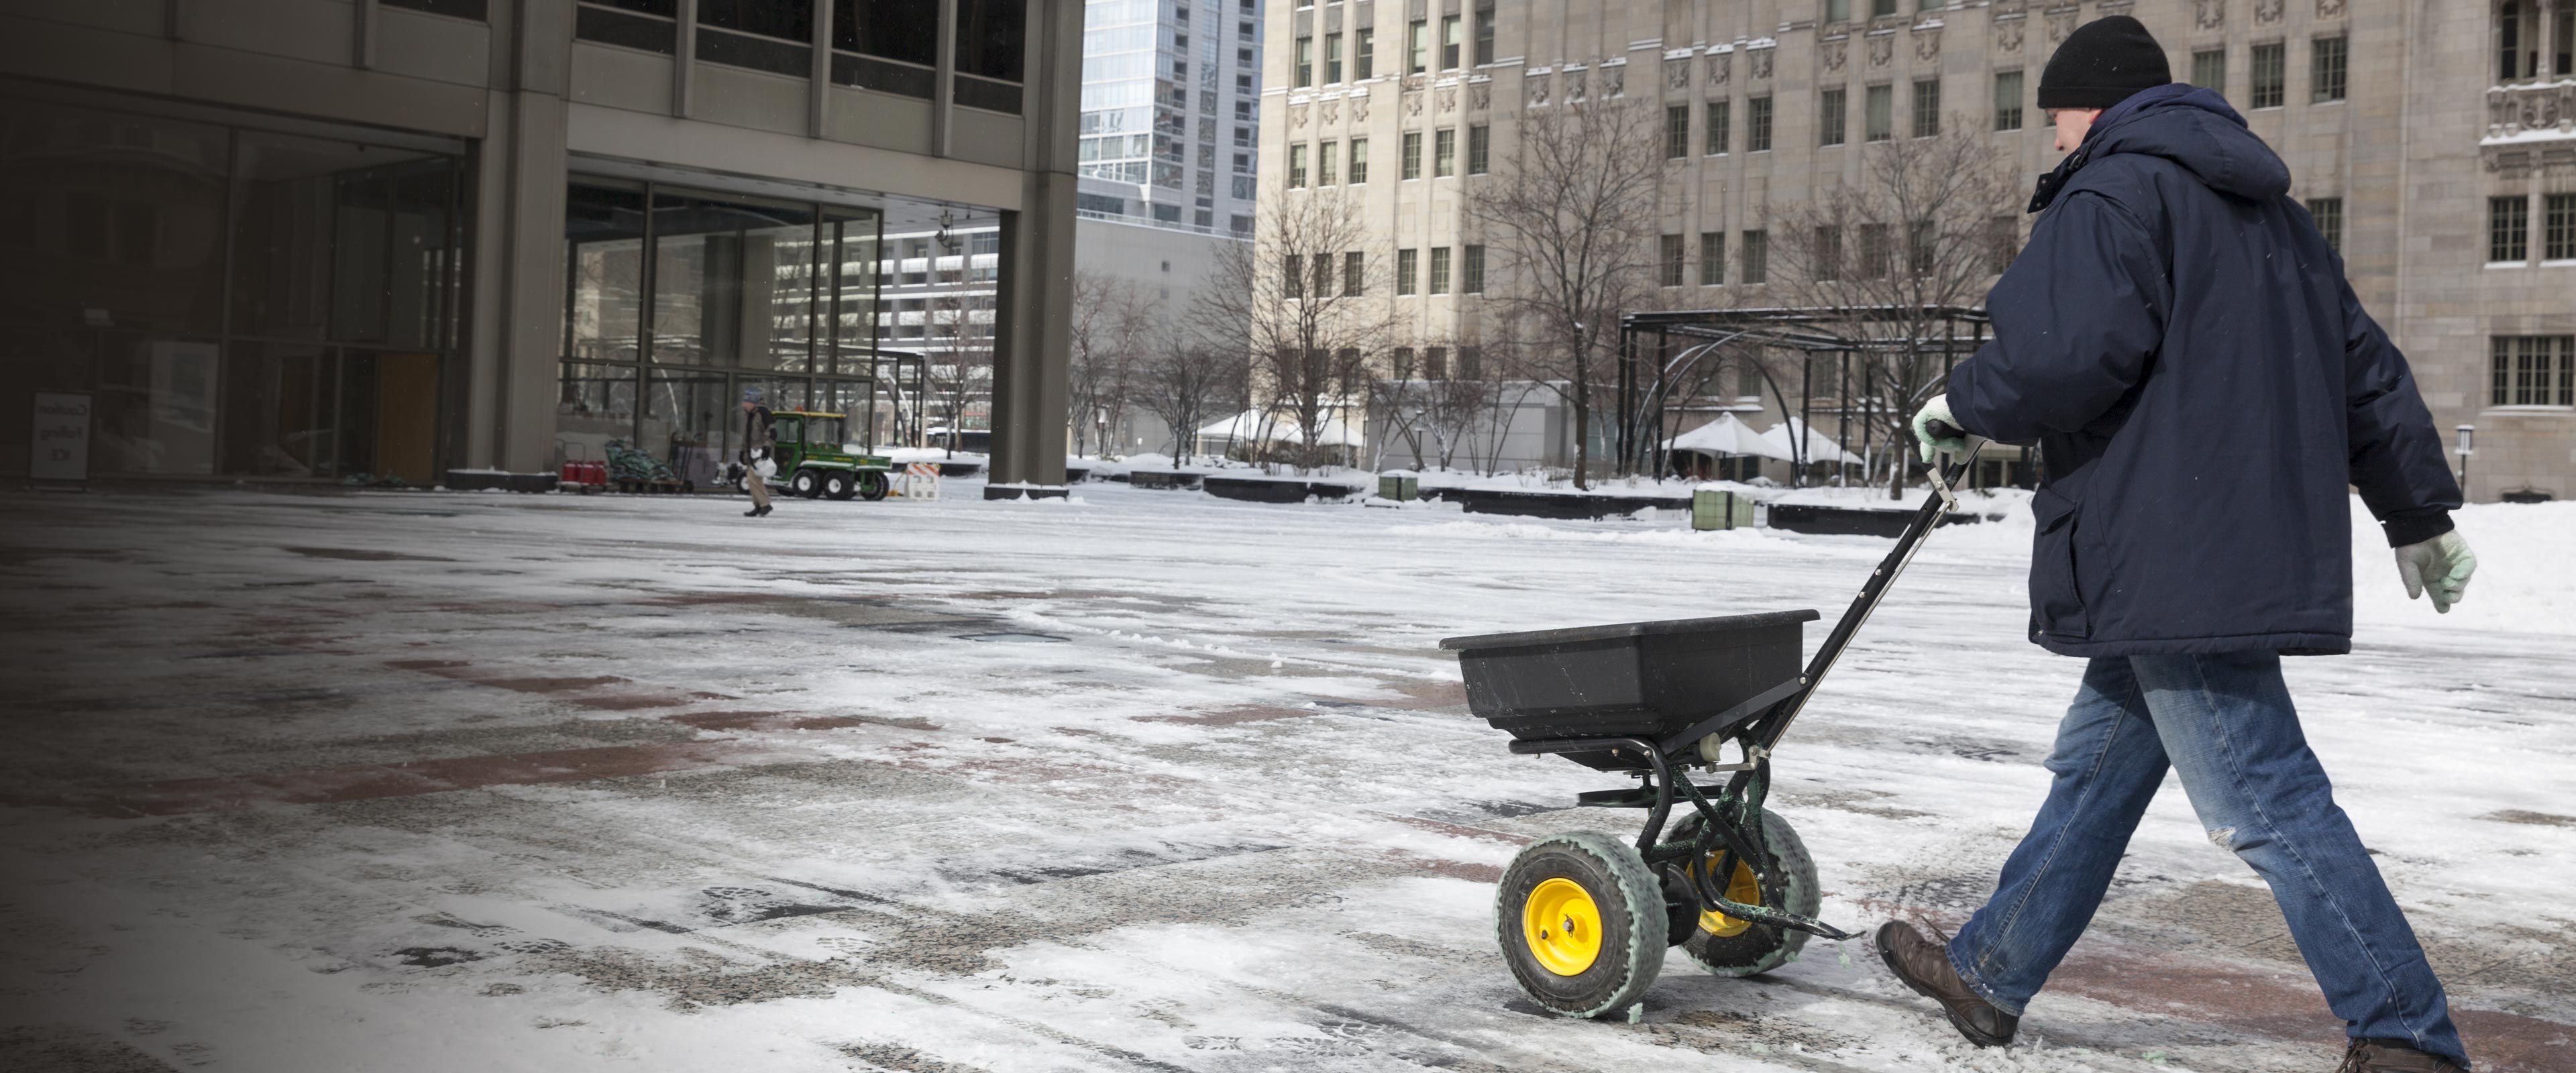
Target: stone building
x: 2435, y: 141
x: 314, y: 240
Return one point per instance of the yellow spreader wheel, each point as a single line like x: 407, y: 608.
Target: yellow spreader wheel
x: 1582, y: 923
x: 1730, y: 947
x: 1746, y: 889
x: 1562, y: 926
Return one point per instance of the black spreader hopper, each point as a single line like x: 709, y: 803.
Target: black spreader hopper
x: 1642, y: 679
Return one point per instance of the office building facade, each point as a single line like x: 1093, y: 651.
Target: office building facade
x: 328, y: 240
x: 2434, y: 140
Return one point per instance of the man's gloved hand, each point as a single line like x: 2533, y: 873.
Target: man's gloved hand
x: 2440, y: 566
x: 1937, y: 409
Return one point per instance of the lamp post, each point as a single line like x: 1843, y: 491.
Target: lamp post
x: 2468, y: 449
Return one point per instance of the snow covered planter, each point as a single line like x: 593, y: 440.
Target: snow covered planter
x: 1546, y: 504
x: 1849, y: 521
x: 1278, y: 489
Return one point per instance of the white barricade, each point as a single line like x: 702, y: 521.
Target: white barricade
x: 919, y: 480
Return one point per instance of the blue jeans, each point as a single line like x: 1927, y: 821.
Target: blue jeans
x: 2226, y: 723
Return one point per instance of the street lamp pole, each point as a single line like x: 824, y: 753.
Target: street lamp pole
x: 2468, y: 449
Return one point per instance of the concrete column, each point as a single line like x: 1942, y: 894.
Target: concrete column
x: 1033, y: 301
x: 517, y: 291
x: 1032, y: 319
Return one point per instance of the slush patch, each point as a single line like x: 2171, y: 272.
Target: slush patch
x: 433, y: 957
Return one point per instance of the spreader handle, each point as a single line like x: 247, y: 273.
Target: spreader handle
x: 1943, y: 430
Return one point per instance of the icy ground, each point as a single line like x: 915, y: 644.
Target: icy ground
x: 1145, y: 782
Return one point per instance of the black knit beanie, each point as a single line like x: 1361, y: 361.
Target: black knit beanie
x: 2101, y: 64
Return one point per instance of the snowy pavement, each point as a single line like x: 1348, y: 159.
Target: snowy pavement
x: 1148, y: 781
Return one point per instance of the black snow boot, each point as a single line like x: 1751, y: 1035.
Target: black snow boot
x: 1924, y: 964
x: 2391, y: 1056
x: 757, y: 512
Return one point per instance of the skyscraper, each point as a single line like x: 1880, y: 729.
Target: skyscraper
x: 1171, y: 111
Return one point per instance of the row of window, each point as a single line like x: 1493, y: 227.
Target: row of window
x: 1316, y: 277
x: 2534, y: 370
x: 1418, y: 43
x: 2509, y: 228
x: 2520, y: 31
x: 1330, y: 157
x: 2268, y: 86
x: 778, y: 36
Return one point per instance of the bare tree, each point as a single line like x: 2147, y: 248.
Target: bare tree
x: 1572, y: 213
x: 1112, y: 324
x: 957, y: 365
x: 1184, y: 379
x: 1927, y: 226
x: 1304, y: 299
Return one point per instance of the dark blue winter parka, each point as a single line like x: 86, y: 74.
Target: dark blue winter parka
x: 2180, y: 341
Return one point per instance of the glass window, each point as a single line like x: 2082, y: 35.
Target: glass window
x: 1829, y: 117
x: 2508, y: 229
x: 1712, y: 258
x: 2003, y: 240
x: 1756, y: 257
x: 1719, y: 116
x: 1479, y: 148
x: 1879, y: 113
x: 1354, y: 274
x: 1440, y: 269
x: 2271, y: 75
x: 604, y: 260
x: 1332, y: 58
x: 338, y: 241
x: 850, y: 280
x: 2328, y: 213
x: 1827, y: 253
x: 1881, y: 8
x: 764, y: 35
x: 2534, y: 370
x: 1927, y: 108
x: 1676, y: 131
x: 280, y: 403
x: 1305, y: 73
x: 1484, y: 32
x: 1296, y: 166
x: 1449, y: 42
x: 2209, y: 70
x: 989, y: 36
x: 1328, y: 157
x: 116, y: 222
x: 906, y: 30
x: 1757, y: 125
x: 1471, y: 270
x: 1417, y: 47
x: 1837, y: 10
x: 2008, y: 100
x: 1405, y: 262
x: 649, y: 25
x: 2326, y: 68
x: 462, y: 9
x: 1363, y: 53
x: 1292, y: 276
x: 1875, y: 251
x: 1668, y: 260
x: 1444, y: 152
x: 1411, y: 164
x: 732, y: 282
x: 2559, y: 211
x: 1359, y: 160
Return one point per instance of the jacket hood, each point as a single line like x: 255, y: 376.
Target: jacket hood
x: 2188, y: 125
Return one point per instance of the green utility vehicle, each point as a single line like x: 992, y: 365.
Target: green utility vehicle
x: 811, y: 459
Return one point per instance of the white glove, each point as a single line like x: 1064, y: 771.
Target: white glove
x: 2441, y: 566
x: 1937, y: 408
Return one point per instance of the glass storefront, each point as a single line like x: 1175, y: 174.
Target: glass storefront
x: 236, y: 302
x: 696, y: 296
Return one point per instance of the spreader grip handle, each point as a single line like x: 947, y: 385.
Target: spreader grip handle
x: 1943, y: 430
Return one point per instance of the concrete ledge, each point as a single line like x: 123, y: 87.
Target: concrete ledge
x: 1024, y: 491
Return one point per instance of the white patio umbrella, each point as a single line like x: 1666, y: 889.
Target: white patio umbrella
x: 1819, y: 448
x: 1728, y: 436
x: 1280, y: 428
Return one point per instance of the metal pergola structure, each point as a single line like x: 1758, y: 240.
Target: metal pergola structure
x: 1651, y: 368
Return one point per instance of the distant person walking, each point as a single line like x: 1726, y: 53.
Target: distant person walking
x: 757, y: 446
x: 2180, y: 340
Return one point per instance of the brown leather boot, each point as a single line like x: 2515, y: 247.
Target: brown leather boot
x: 1924, y: 965
x: 2381, y: 1056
